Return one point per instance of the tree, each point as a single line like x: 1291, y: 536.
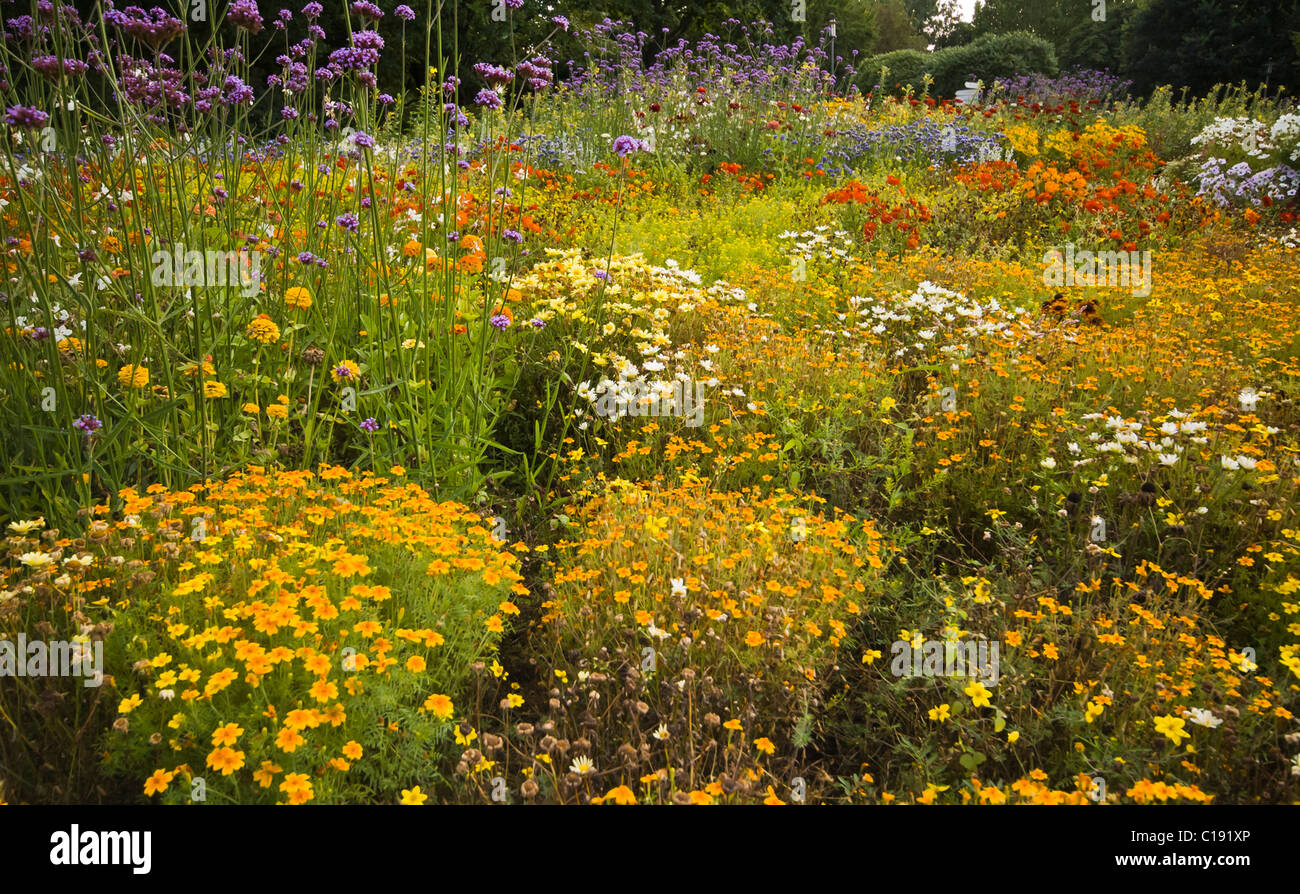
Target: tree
x: 1051, y: 20
x: 1098, y: 44
x: 855, y: 26
x: 894, y: 30
x: 1200, y: 43
x: 941, y: 24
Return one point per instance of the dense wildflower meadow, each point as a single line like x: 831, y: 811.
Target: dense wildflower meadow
x: 715, y: 425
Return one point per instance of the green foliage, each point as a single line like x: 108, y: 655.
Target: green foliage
x: 902, y: 69
x: 990, y: 57
x: 987, y: 58
x: 894, y: 30
x: 1201, y: 43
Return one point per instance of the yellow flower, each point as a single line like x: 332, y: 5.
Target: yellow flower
x: 621, y: 795
x: 765, y: 745
x: 157, y: 782
x: 133, y: 376
x: 297, y: 297
x: 353, y: 750
x: 263, y: 329
x: 266, y: 775
x: 288, y: 740
x: 413, y: 796
x: 439, y: 705
x: 227, y: 735
x: 940, y: 713
x: 128, y: 705
x: 298, y: 787
x: 1173, y: 728
x: 225, y: 759
x: 732, y: 724
x: 324, y: 690
x: 212, y: 389
x: 277, y: 411
x: 415, y: 664
x: 753, y: 638
x: 979, y: 696
x: 347, y: 371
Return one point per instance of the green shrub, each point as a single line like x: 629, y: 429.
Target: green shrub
x: 989, y: 57
x: 905, y: 68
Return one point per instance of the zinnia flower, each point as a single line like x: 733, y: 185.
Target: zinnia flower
x: 133, y: 376
x: 263, y: 329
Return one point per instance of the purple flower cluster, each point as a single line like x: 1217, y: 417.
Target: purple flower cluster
x: 366, y: 10
x: 156, y: 28
x: 925, y: 142
x: 370, y: 424
x: 244, y: 15
x: 494, y: 75
x: 52, y: 67
x: 489, y: 98
x: 536, y: 72
x: 1082, y: 86
x: 626, y: 145
x: 751, y: 61
x: 1241, y: 185
x: 27, y: 117
x: 355, y: 58
x: 88, y: 423
x: 500, y: 322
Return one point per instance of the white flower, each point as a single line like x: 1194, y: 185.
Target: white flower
x: 1202, y: 717
x: 167, y: 694
x: 35, y: 560
x: 1168, y: 459
x: 1229, y: 463
x: 661, y: 733
x: 1245, y: 462
x: 582, y: 765
x: 26, y: 527
x: 679, y: 586
x: 1048, y: 463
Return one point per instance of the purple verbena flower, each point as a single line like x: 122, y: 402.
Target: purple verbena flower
x: 28, y: 117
